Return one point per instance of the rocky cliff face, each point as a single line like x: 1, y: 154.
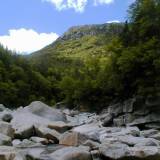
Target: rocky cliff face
x: 137, y: 111
x: 80, y: 31
x: 39, y: 132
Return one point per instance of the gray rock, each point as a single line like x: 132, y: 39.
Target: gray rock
x: 16, y: 142
x: 92, y: 131
x: 50, y: 134
x: 40, y: 109
x: 114, y: 151
x: 6, y: 129
x: 38, y: 114
x: 138, y: 141
x: 118, y: 122
x: 116, y: 109
x: 71, y: 153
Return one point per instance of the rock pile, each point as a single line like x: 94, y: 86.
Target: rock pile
x: 39, y: 132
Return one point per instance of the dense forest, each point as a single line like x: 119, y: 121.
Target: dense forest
x: 90, y: 69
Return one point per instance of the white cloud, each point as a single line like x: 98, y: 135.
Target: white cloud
x: 26, y: 40
x: 100, y: 2
x: 77, y: 5
x: 113, y: 21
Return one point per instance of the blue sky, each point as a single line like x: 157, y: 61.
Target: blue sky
x: 29, y: 25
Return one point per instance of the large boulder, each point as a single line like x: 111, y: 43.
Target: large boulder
x: 71, y: 153
x: 40, y: 109
x: 26, y: 119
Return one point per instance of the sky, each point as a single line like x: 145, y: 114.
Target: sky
x: 29, y: 25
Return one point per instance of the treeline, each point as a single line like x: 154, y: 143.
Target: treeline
x: 91, y: 74
x: 19, y: 82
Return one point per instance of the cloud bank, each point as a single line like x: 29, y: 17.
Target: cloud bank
x: 26, y: 40
x: 77, y: 5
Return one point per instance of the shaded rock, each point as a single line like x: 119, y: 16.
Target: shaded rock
x: 5, y: 140
x: 107, y: 119
x: 27, y: 144
x: 120, y: 121
x: 72, y: 139
x: 71, y: 153
x: 50, y: 134
x: 6, y: 129
x: 7, y: 117
x: 115, y: 109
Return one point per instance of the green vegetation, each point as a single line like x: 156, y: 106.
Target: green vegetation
x: 90, y: 66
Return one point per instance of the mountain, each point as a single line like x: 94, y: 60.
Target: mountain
x: 78, y: 43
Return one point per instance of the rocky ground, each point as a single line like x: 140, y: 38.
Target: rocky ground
x: 128, y: 131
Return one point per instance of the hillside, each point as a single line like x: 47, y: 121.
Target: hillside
x: 78, y: 43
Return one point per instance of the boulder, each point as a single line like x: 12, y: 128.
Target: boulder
x: 92, y: 131
x: 72, y: 139
x: 40, y: 109
x: 128, y: 105
x: 48, y: 133
x: 6, y: 129
x: 114, y: 151
x: 138, y: 141
x: 71, y: 153
x: 38, y: 114
x: 5, y: 140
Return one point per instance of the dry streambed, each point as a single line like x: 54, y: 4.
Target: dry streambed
x: 39, y: 132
